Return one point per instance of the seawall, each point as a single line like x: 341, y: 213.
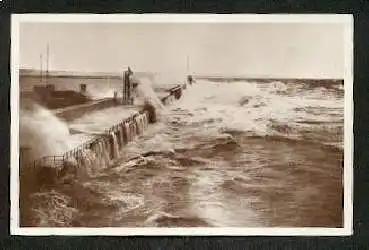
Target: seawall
x: 73, y: 112
x: 101, y: 151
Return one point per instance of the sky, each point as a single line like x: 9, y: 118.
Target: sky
x: 311, y: 50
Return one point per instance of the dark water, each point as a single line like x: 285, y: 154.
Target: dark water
x: 242, y: 154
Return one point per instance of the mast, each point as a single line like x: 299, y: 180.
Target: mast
x: 188, y: 64
x: 41, y: 68
x: 189, y: 76
x: 47, y: 61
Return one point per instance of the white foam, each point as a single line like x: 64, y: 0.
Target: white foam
x: 247, y: 106
x: 45, y: 134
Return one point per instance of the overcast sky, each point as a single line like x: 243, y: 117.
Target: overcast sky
x: 273, y: 50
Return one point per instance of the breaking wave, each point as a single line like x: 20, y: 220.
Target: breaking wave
x: 43, y: 133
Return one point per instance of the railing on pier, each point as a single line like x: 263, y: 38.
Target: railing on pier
x: 59, y: 160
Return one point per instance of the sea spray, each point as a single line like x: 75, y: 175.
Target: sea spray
x: 104, y: 89
x: 140, y: 121
x: 127, y: 132
x: 43, y: 133
x: 121, y: 129
x: 257, y: 108
x: 146, y: 119
x: 115, y: 146
x: 146, y: 91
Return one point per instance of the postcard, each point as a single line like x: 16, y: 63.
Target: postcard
x: 174, y: 124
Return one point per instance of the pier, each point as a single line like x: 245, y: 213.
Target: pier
x: 136, y: 122
x: 102, y: 150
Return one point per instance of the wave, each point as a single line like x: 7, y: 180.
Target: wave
x: 145, y: 90
x: 260, y: 109
x: 162, y: 219
x: 43, y: 133
x: 213, y: 133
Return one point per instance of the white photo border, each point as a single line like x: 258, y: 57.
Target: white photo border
x: 345, y: 19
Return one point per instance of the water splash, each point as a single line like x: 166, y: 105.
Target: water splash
x: 259, y: 108
x: 87, y: 162
x: 44, y: 134
x: 146, y: 91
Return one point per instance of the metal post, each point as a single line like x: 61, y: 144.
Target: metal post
x: 47, y: 62
x: 41, y: 68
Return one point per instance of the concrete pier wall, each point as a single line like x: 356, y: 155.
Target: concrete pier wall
x: 110, y: 143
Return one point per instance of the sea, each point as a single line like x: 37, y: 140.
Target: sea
x: 228, y: 153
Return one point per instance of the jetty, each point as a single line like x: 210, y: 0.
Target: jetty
x: 103, y: 149
x: 71, y: 105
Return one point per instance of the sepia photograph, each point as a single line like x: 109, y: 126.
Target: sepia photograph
x: 181, y: 124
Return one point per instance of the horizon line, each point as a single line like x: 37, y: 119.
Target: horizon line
x: 36, y: 72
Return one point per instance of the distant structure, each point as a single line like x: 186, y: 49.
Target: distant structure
x: 127, y: 97
x: 47, y: 95
x: 83, y: 88
x: 189, y: 76
x: 189, y: 79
